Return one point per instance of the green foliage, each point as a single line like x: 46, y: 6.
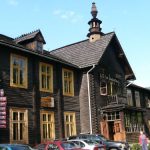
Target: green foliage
x: 136, y: 146
x: 149, y: 146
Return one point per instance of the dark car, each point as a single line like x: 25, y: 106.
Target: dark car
x: 14, y: 147
x: 110, y: 145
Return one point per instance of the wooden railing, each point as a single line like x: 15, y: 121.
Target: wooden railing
x: 134, y: 128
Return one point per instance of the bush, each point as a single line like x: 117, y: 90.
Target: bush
x: 135, y: 146
x: 149, y: 146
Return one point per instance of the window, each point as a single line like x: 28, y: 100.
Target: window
x: 18, y: 71
x: 139, y: 117
x: 137, y: 99
x: 147, y: 102
x: 111, y: 116
x: 39, y: 46
x: 18, y: 126
x: 112, y: 88
x: 68, y: 82
x: 129, y: 97
x: 70, y: 124
x: 149, y: 123
x: 46, y: 77
x: 47, y: 125
x: 108, y: 88
x: 103, y: 88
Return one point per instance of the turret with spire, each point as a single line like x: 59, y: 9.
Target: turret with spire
x: 95, y: 30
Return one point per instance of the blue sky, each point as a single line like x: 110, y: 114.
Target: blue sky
x: 64, y: 22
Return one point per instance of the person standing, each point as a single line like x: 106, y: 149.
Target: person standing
x: 143, y: 141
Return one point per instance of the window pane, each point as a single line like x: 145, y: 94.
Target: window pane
x: 103, y: 88
x: 22, y: 130
x: 18, y: 70
x: 48, y: 70
x: 67, y: 130
x: 46, y: 77
x: 21, y: 116
x: 15, y: 131
x: 44, y: 131
x: 43, y: 68
x: 137, y: 98
x: 19, y: 129
x: 43, y: 81
x: 71, y: 118
x: 70, y: 126
x: 68, y: 82
x: 67, y: 118
x: 47, y: 124
x: 15, y: 116
x: 49, y: 117
x: 15, y: 76
x: 21, y: 77
x: 44, y: 117
x: 48, y: 82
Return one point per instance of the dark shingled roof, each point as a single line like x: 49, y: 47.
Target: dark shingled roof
x: 8, y: 41
x: 28, y: 36
x: 6, y: 38
x: 85, y: 53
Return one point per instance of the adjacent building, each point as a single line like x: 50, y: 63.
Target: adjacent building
x: 79, y: 88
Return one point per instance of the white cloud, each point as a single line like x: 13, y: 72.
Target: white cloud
x: 13, y: 2
x: 68, y: 15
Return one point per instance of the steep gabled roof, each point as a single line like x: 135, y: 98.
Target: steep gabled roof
x: 29, y: 36
x: 85, y: 53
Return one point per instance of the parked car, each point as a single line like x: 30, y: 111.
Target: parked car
x: 15, y: 147
x: 57, y: 145
x: 118, y: 145
x: 88, y: 144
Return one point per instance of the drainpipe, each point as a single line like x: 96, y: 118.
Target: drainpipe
x: 89, y: 97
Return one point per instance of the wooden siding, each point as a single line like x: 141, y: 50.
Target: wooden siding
x: 30, y: 98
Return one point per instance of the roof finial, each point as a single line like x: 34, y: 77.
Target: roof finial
x: 94, y: 10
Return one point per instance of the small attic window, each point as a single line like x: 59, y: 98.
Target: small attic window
x: 39, y: 46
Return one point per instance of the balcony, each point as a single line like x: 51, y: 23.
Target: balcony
x: 115, y: 99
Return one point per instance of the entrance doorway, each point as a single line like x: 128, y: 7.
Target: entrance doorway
x: 111, y: 130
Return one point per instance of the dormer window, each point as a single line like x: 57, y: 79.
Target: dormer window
x: 39, y: 46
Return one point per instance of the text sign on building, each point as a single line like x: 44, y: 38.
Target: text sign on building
x: 3, y: 103
x: 47, y: 101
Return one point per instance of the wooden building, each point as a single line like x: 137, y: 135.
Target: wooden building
x: 139, y: 98
x: 81, y: 87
